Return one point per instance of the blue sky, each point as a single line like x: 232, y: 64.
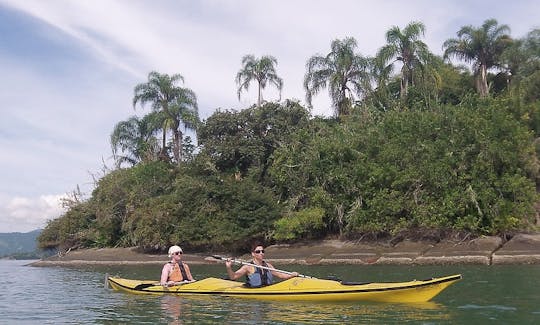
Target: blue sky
x: 69, y: 68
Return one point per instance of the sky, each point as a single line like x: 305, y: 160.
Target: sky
x: 68, y: 69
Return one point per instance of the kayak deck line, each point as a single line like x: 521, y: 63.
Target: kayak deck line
x: 298, y: 289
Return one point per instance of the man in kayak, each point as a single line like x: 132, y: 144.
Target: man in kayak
x: 175, y: 270
x: 257, y: 277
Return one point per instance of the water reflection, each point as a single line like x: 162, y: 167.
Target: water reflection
x: 189, y: 309
x: 173, y: 308
x: 192, y: 309
x: 317, y: 313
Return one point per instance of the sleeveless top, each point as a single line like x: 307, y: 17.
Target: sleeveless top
x: 259, y: 278
x: 178, y: 272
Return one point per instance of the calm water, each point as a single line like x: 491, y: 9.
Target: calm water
x: 55, y: 295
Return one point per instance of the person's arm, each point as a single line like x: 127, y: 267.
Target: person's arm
x: 164, y: 274
x: 282, y: 275
x: 188, y: 273
x: 235, y: 275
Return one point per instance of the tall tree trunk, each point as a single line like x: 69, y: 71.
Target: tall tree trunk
x: 259, y: 100
x: 177, y: 142
x: 482, y: 81
x: 404, y: 81
x: 344, y: 107
x: 404, y: 87
x: 165, y: 107
x: 164, y: 142
x: 180, y: 146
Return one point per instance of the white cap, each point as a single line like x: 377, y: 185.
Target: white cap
x: 174, y: 249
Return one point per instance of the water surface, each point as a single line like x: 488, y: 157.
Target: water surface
x: 60, y: 295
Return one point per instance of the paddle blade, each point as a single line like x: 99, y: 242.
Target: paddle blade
x: 217, y: 257
x: 145, y: 285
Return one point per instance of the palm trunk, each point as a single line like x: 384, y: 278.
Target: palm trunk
x: 164, y: 142
x: 404, y: 87
x: 260, y: 96
x: 177, y: 143
x: 165, y: 107
x: 404, y: 81
x: 483, y: 88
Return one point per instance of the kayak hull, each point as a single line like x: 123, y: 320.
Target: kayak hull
x: 298, y: 289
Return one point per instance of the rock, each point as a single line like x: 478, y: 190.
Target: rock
x: 404, y: 252
x: 521, y: 249
x: 354, y: 253
x: 304, y: 253
x: 476, y: 251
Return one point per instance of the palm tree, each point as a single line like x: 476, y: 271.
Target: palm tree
x: 380, y: 93
x: 262, y: 70
x: 164, y: 95
x: 342, y: 71
x: 521, y: 59
x: 481, y: 46
x: 514, y: 58
x: 405, y: 46
x: 133, y: 140
x: 531, y: 47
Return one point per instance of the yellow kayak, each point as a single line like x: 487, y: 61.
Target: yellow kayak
x: 298, y: 288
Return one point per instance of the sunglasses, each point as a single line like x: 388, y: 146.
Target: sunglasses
x: 258, y: 251
x: 178, y: 253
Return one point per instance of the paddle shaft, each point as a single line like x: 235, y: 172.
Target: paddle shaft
x: 147, y: 285
x: 259, y: 266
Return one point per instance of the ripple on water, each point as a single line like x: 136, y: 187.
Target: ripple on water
x: 494, y: 307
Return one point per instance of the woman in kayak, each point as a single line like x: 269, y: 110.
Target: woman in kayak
x: 257, y: 277
x: 175, y: 270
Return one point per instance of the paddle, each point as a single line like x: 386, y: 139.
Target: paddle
x: 217, y: 257
x: 147, y: 285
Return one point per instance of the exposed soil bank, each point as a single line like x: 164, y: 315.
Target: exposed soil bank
x: 521, y: 249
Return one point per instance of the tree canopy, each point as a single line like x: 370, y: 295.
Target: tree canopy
x: 178, y: 105
x: 482, y: 46
x: 262, y: 70
x: 447, y: 158
x: 342, y: 71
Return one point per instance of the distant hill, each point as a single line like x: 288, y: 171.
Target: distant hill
x: 19, y: 244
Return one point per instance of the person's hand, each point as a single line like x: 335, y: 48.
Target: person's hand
x: 228, y: 262
x: 294, y: 274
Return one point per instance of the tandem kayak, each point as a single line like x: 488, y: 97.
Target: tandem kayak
x: 298, y: 288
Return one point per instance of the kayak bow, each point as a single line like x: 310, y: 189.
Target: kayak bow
x: 306, y: 289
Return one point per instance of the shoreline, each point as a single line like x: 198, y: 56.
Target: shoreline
x: 521, y: 249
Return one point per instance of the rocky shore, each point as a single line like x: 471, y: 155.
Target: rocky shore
x: 521, y: 249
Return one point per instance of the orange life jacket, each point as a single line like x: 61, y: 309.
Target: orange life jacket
x: 178, y: 273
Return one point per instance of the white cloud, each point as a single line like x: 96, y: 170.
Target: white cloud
x: 24, y: 214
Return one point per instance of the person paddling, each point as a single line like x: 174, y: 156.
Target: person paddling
x: 175, y: 270
x: 257, y: 277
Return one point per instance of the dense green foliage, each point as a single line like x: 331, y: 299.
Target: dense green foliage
x: 417, y: 152
x: 454, y: 167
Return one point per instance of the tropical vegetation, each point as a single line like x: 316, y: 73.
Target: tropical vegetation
x: 406, y: 47
x: 262, y: 71
x: 342, y: 71
x: 177, y: 106
x: 482, y: 46
x: 418, y: 147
